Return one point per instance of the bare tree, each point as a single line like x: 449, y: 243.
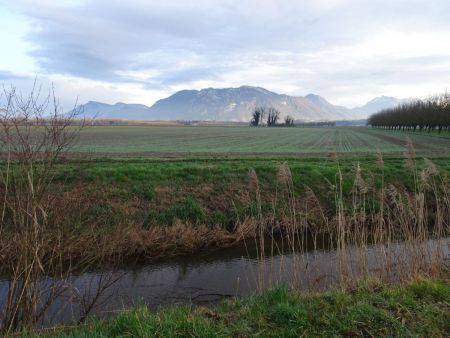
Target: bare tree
x: 258, y: 115
x: 272, y: 117
x: 430, y: 114
x: 288, y: 121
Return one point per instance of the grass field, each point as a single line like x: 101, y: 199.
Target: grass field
x: 160, y: 141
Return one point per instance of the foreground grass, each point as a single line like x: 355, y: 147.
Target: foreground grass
x: 419, y: 309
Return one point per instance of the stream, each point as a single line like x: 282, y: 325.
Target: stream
x: 208, y: 277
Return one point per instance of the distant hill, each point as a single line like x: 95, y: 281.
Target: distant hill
x: 234, y: 104
x: 115, y: 111
x: 328, y: 108
x: 377, y: 104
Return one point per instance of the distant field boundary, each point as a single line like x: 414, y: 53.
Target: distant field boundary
x: 205, y: 156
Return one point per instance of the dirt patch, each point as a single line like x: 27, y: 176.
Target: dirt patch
x: 164, y: 189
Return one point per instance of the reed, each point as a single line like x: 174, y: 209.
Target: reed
x: 388, y: 232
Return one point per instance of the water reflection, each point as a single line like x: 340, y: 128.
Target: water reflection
x: 211, y: 276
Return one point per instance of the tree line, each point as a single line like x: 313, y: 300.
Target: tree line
x: 317, y: 124
x: 423, y: 115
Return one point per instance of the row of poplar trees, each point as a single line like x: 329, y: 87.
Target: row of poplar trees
x: 423, y: 115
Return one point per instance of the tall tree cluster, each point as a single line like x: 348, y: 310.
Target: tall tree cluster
x: 423, y: 115
x: 272, y: 117
x: 266, y: 116
x: 288, y: 121
x: 258, y: 115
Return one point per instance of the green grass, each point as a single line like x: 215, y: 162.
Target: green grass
x: 207, y: 190
x: 186, y: 141
x: 419, y: 309
x: 141, y: 176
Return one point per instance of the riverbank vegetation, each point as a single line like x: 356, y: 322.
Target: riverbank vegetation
x: 419, y: 308
x: 135, y: 209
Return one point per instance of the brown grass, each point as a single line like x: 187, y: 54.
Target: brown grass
x: 367, y: 229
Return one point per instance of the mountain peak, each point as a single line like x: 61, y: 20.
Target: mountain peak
x: 96, y: 102
x: 253, y: 88
x: 315, y: 97
x: 384, y: 98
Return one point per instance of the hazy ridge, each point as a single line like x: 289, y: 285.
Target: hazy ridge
x: 235, y: 104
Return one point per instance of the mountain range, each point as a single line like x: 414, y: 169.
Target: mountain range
x: 235, y: 104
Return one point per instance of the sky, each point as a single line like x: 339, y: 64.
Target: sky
x: 348, y: 51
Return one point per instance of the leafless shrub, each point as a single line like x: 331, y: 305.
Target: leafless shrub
x: 35, y: 134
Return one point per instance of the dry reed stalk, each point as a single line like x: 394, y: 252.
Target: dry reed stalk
x: 392, y: 242
x: 260, y: 237
x: 380, y: 160
x: 296, y: 233
x: 409, y: 154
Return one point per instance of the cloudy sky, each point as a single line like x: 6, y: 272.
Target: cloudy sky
x: 348, y: 51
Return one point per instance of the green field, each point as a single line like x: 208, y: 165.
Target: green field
x: 161, y: 141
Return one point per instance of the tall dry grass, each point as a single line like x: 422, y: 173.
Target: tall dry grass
x: 386, y: 232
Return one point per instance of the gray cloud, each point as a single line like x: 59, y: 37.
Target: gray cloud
x: 312, y: 45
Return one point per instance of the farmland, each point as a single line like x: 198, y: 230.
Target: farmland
x: 187, y: 141
x: 129, y: 195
